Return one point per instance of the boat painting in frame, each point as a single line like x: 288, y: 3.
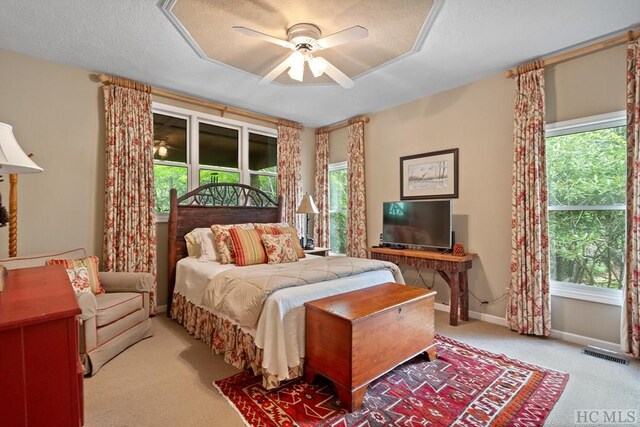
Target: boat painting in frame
x: 431, y: 175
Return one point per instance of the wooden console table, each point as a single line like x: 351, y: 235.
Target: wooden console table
x: 452, y: 268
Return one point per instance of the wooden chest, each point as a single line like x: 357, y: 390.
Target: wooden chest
x: 354, y: 338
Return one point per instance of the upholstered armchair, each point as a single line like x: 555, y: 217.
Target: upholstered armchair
x: 110, y: 322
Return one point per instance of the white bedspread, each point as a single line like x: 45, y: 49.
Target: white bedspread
x: 280, y: 329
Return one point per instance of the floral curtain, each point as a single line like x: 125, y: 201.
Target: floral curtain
x: 356, y: 203
x: 321, y: 225
x: 630, y: 332
x: 289, y: 175
x: 130, y: 228
x: 528, y: 307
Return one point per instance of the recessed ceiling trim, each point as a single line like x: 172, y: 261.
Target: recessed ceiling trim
x: 167, y: 9
x: 417, y: 46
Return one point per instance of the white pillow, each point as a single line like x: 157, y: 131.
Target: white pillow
x: 200, y: 244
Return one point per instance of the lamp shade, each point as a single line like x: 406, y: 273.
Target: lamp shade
x: 307, y: 206
x: 12, y: 158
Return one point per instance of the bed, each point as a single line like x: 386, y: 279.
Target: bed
x: 270, y: 339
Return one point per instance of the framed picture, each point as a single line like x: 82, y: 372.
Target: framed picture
x: 429, y: 175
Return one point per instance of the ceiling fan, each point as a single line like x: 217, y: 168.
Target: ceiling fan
x: 161, y: 148
x: 305, y: 40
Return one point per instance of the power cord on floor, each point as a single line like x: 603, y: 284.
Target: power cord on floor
x: 433, y: 282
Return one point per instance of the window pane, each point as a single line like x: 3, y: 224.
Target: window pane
x: 263, y: 153
x: 169, y: 138
x: 338, y: 190
x: 338, y: 210
x: 166, y: 178
x: 208, y: 176
x: 338, y: 232
x: 268, y: 184
x: 587, y: 168
x: 218, y: 146
x: 587, y: 247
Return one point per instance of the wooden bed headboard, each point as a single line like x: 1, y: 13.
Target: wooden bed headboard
x: 215, y: 203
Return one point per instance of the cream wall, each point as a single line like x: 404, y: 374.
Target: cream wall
x: 478, y: 119
x: 57, y: 113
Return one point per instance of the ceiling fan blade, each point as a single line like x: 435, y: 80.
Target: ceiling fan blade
x: 266, y: 37
x: 342, y: 37
x: 279, y: 69
x: 341, y: 78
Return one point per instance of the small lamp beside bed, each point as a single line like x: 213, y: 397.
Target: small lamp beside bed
x: 307, y: 206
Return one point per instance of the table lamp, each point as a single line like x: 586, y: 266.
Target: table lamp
x: 13, y: 161
x: 307, y: 206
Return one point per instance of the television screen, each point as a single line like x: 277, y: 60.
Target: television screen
x: 424, y: 223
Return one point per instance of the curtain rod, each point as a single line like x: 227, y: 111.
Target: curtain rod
x: 614, y: 41
x: 342, y: 124
x: 223, y: 109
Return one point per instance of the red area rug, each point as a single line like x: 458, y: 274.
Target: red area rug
x: 465, y: 386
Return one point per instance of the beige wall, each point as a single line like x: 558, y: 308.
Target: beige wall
x: 57, y: 113
x: 478, y: 120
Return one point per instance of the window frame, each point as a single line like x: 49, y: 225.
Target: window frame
x: 576, y: 290
x: 194, y: 118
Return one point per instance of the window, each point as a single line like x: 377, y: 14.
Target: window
x: 193, y: 149
x: 338, y: 207
x: 586, y: 178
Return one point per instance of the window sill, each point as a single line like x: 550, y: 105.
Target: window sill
x: 586, y: 293
x: 162, y: 218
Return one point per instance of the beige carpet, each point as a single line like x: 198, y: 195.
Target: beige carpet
x: 166, y: 379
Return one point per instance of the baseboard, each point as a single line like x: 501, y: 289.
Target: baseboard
x: 489, y: 318
x: 561, y: 335
x: 582, y: 340
x: 161, y: 308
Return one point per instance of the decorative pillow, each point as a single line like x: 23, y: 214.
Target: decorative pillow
x: 222, y: 241
x: 285, y: 228
x: 247, y: 246
x: 280, y: 248
x: 200, y: 244
x: 90, y: 263
x: 79, y: 278
x: 193, y: 243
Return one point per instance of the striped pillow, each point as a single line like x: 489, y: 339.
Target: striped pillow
x: 90, y: 263
x: 284, y: 228
x: 222, y: 241
x: 247, y: 246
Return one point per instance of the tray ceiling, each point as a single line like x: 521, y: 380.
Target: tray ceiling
x: 394, y: 30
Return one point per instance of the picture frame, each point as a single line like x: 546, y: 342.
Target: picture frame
x: 432, y: 175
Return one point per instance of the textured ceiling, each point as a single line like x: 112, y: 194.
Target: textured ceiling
x: 465, y: 40
x: 394, y: 29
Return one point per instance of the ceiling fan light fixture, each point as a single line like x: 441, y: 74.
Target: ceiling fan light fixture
x: 318, y: 66
x: 162, y: 151
x: 296, y: 72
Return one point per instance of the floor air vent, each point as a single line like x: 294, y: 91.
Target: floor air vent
x: 605, y: 354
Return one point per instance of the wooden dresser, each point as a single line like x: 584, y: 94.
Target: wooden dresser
x: 354, y: 338
x: 40, y: 369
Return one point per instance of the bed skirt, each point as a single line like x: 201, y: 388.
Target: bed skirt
x: 227, y: 338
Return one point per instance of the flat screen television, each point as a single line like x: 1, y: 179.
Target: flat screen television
x: 420, y: 224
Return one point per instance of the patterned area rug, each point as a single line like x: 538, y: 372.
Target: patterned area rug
x: 465, y: 386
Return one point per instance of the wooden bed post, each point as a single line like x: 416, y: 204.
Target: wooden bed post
x: 173, y: 223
